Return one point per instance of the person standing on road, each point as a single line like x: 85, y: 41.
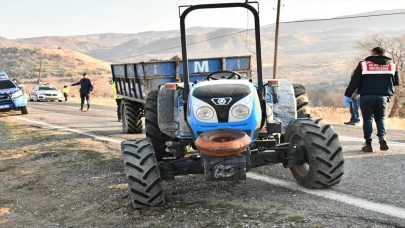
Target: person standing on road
x: 118, y: 99
x: 65, y: 91
x: 354, y: 108
x: 374, y: 79
x: 86, y: 88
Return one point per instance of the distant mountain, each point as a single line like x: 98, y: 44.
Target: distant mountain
x: 101, y: 42
x: 316, y: 53
x: 4, y: 42
x: 391, y: 22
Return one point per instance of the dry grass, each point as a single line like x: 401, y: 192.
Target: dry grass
x: 340, y: 115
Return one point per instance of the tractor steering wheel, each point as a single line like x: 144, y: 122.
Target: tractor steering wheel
x: 232, y: 74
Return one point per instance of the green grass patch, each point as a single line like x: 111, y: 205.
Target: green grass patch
x: 71, y: 145
x: 4, y: 202
x: 294, y: 218
x: 91, y: 155
x: 29, y: 185
x: 4, y: 169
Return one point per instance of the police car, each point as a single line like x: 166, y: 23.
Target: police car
x: 11, y: 95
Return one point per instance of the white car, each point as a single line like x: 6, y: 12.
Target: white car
x: 46, y: 93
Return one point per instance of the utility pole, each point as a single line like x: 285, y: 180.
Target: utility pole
x: 39, y: 74
x: 276, y: 39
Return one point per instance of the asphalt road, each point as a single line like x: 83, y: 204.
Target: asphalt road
x: 372, y: 190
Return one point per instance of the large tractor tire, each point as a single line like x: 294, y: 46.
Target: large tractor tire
x: 322, y: 152
x: 142, y: 171
x: 131, y: 113
x: 156, y: 136
x: 301, y: 96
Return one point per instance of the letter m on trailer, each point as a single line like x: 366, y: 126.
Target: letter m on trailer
x: 201, y: 66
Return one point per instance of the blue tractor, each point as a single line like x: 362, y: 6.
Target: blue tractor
x: 12, y: 96
x: 222, y: 124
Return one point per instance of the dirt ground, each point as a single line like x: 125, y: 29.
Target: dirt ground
x: 58, y: 179
x: 341, y: 115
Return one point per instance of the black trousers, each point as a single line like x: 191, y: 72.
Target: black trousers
x: 65, y: 95
x: 85, y: 96
x: 373, y: 106
x: 118, y: 108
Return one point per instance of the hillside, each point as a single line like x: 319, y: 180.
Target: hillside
x: 4, y: 42
x: 98, y: 43
x: 59, y: 66
x: 318, y: 54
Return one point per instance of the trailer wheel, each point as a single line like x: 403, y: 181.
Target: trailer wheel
x: 142, y: 171
x: 152, y: 130
x: 131, y: 113
x: 322, y: 152
x: 301, y: 96
x: 24, y: 110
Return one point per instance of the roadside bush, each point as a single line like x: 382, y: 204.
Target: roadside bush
x: 334, y: 100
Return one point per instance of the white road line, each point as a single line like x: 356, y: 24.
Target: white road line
x: 329, y: 194
x: 354, y: 139
x: 69, y: 130
x: 102, y: 110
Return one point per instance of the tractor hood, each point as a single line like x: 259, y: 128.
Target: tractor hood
x: 227, y: 104
x: 222, y: 95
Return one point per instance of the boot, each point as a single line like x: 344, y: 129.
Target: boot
x: 88, y: 107
x: 81, y: 108
x: 367, y: 146
x: 350, y: 123
x: 383, y: 143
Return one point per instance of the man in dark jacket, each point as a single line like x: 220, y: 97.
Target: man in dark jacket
x: 86, y: 87
x: 374, y: 79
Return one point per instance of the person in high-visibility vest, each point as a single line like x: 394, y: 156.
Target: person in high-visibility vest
x: 65, y: 91
x: 118, y: 99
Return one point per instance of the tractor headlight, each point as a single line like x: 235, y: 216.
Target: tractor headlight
x: 240, y: 111
x: 19, y: 93
x: 205, y: 113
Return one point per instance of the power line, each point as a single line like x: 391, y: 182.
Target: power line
x: 243, y: 31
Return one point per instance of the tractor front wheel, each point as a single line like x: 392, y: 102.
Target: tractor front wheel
x: 323, y: 154
x: 142, y: 171
x: 152, y: 130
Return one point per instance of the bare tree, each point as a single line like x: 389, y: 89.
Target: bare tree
x: 395, y: 47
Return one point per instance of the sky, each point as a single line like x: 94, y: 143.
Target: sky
x: 33, y: 18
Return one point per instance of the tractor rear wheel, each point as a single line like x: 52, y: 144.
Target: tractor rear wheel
x: 142, y: 171
x: 131, y: 113
x: 152, y: 130
x: 323, y: 154
x: 301, y: 96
